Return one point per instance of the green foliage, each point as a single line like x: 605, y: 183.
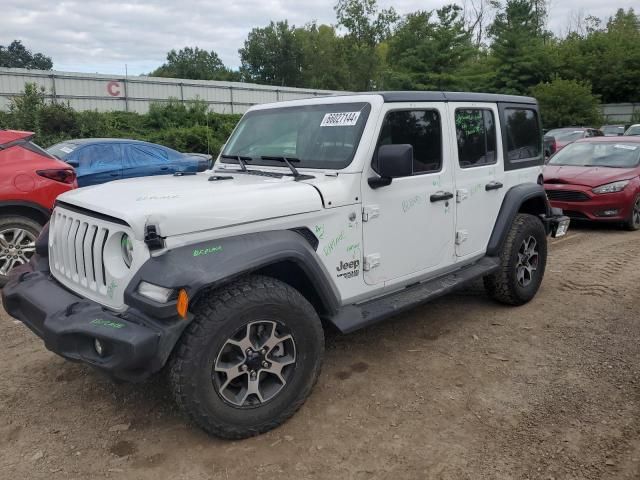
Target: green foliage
x: 187, y: 127
x: 195, y: 64
x: 567, y: 102
x: 16, y: 55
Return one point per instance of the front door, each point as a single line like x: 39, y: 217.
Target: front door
x: 408, y: 226
x: 479, y: 172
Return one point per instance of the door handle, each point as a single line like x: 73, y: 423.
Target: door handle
x: 441, y: 196
x: 493, y: 186
x: 114, y: 174
x: 164, y: 168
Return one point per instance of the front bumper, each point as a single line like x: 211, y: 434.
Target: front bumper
x: 134, y: 344
x: 609, y: 207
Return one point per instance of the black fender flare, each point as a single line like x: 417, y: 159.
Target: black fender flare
x: 46, y: 213
x: 512, y: 204
x: 214, y: 263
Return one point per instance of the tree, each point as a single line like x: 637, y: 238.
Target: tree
x: 427, y: 53
x: 16, y: 55
x: 367, y: 26
x: 518, y: 46
x: 324, y: 62
x: 567, y: 102
x: 273, y: 55
x: 195, y: 64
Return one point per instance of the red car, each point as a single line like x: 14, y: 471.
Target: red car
x: 30, y: 181
x: 561, y: 137
x: 597, y: 179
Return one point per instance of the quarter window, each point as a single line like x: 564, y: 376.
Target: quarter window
x: 524, y: 140
x: 419, y: 128
x: 476, y: 135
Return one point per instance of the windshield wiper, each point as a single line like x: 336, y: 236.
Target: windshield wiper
x: 287, y: 161
x: 241, y: 160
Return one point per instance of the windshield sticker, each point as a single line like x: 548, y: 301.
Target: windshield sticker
x: 198, y: 252
x: 625, y: 147
x: 66, y: 149
x: 342, y: 119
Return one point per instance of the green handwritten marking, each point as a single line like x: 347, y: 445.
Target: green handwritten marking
x: 319, y: 229
x: 107, y: 323
x: 476, y: 188
x: 331, y: 246
x: 111, y: 289
x: 436, y: 182
x: 354, y: 250
x: 198, y: 252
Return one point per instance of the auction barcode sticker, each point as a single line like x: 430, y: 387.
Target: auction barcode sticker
x: 342, y: 119
x: 625, y: 147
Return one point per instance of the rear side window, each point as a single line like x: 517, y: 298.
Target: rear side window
x: 141, y: 155
x: 103, y: 156
x: 421, y: 129
x: 523, y: 136
x: 476, y: 137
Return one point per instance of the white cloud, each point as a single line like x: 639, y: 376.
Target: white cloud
x: 99, y: 36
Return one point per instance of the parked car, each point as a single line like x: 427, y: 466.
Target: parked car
x: 333, y: 212
x: 597, y: 179
x: 100, y: 160
x: 613, y: 130
x: 30, y: 181
x: 633, y: 130
x: 564, y: 136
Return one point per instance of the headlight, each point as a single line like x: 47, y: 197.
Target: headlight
x: 127, y: 249
x: 154, y: 292
x: 611, y: 187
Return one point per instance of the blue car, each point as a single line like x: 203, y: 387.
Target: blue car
x: 100, y: 160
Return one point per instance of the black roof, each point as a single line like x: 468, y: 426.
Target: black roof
x: 394, y: 97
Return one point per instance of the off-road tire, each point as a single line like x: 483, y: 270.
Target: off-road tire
x: 218, y: 315
x: 503, y: 285
x: 632, y: 224
x: 23, y: 223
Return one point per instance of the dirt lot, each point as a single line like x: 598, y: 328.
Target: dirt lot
x: 459, y: 389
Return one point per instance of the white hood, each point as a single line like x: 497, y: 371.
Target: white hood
x: 190, y: 203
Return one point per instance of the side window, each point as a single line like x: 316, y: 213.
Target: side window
x: 476, y: 135
x: 419, y: 128
x: 99, y: 157
x: 144, y: 155
x: 522, y: 130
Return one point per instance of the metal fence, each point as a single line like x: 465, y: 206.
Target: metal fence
x: 134, y: 94
x: 620, y: 112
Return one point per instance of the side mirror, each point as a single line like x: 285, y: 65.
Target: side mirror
x: 393, y: 161
x: 73, y: 163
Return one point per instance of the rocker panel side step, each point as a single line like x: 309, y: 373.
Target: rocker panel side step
x: 354, y: 317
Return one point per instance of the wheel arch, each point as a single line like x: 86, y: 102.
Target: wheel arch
x: 527, y: 198
x: 199, y: 268
x: 21, y: 208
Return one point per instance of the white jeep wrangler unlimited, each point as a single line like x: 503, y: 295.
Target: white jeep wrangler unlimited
x: 327, y: 212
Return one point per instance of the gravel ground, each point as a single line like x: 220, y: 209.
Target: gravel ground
x: 462, y: 388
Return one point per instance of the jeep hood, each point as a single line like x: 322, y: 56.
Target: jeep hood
x: 191, y: 203
x: 587, y: 176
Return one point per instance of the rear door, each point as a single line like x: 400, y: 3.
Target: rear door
x: 479, y: 174
x: 98, y: 163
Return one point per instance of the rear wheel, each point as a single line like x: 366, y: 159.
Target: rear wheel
x: 523, y: 261
x: 633, y: 223
x: 249, y: 359
x: 17, y: 243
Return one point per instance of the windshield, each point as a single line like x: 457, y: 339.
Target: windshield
x: 599, y: 154
x: 565, y: 135
x: 61, y: 150
x: 319, y: 136
x: 635, y: 130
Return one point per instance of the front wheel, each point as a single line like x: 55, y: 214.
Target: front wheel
x: 633, y: 223
x: 522, y: 262
x: 17, y: 243
x: 249, y: 359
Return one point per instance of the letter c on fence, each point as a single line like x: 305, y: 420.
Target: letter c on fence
x: 113, y: 88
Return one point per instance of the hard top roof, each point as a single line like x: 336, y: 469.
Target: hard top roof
x: 429, y: 96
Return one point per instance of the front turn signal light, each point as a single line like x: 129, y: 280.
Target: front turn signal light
x: 182, y: 306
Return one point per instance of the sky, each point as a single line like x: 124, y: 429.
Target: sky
x: 103, y: 36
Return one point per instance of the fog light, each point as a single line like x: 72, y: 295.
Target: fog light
x: 609, y: 213
x: 97, y: 344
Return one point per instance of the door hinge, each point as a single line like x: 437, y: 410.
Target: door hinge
x: 462, y: 194
x: 461, y: 236
x: 151, y: 237
x: 371, y: 261
x: 369, y: 212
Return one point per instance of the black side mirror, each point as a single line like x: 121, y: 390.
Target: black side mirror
x: 73, y: 163
x: 394, y: 161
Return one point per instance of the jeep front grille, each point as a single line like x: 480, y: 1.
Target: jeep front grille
x: 77, y: 251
